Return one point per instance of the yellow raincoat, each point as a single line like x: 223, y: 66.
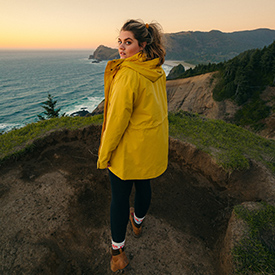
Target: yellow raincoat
x: 134, y: 138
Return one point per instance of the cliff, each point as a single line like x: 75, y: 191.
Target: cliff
x: 104, y: 53
x: 176, y: 72
x: 194, y: 94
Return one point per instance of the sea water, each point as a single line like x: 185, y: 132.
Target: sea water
x: 27, y: 77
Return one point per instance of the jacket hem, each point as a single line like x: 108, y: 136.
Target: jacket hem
x: 138, y: 178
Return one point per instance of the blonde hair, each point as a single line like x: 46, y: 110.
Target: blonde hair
x: 149, y: 33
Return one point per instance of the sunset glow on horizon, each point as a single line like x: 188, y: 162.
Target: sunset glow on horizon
x: 85, y: 24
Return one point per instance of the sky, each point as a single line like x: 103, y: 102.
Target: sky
x: 86, y: 24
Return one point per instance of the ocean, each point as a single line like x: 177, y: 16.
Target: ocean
x: 26, y: 78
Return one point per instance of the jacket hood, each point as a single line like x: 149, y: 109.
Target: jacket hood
x: 149, y: 69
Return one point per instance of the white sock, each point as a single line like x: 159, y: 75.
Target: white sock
x: 138, y: 220
x: 117, y: 245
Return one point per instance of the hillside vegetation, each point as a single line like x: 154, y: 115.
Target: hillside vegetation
x: 214, y: 46
x: 242, y: 79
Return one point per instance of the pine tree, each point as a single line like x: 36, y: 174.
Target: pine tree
x: 50, y: 110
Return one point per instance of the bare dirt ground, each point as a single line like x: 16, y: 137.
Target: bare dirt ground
x: 54, y: 209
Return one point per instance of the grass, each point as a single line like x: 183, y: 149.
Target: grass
x: 19, y: 141
x: 255, y: 253
x: 232, y: 146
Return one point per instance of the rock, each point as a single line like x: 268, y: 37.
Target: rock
x: 94, y: 60
x: 82, y: 112
x: 104, y: 53
x: 176, y: 72
x: 99, y: 109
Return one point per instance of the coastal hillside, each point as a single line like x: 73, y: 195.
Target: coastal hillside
x: 195, y: 94
x: 204, y: 47
x: 248, y: 81
x: 214, y: 46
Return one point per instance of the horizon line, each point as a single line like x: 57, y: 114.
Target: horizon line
x: 13, y: 48
x: 46, y: 49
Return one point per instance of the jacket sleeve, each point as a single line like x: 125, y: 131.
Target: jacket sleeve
x: 118, y: 115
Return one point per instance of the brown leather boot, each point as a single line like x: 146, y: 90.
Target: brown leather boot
x: 136, y: 228
x: 119, y: 260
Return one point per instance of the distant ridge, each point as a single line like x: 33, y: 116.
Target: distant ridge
x: 214, y: 46
x: 204, y: 47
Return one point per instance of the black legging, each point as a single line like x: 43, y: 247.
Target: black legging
x: 121, y: 190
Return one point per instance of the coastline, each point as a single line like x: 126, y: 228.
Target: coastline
x: 174, y: 63
x: 80, y: 91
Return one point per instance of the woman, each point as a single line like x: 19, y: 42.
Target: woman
x: 134, y: 139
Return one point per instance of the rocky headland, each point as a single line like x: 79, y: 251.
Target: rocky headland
x: 104, y: 53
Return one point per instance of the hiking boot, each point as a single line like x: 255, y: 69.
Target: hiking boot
x: 136, y: 227
x: 119, y: 260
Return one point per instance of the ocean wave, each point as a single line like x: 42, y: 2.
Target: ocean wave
x: 166, y: 68
x: 97, y: 74
x: 89, y: 104
x: 4, y: 86
x: 6, y: 127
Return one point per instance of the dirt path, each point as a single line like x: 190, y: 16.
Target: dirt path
x: 54, y: 209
